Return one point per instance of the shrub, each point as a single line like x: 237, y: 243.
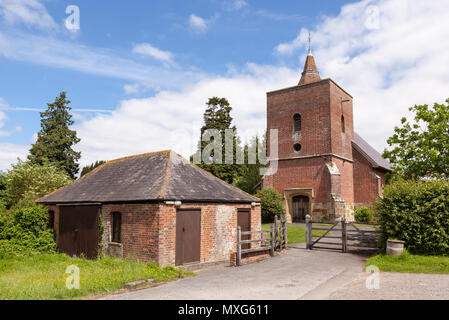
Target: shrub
x: 416, y: 212
x: 27, y: 182
x: 272, y: 204
x: 24, y: 232
x: 363, y: 215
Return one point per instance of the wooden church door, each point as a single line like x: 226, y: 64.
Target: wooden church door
x: 300, y: 208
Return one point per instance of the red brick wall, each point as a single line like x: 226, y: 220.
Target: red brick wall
x: 149, y: 230
x: 365, y: 181
x: 139, y: 233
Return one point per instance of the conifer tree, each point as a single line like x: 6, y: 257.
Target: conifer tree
x: 55, y: 139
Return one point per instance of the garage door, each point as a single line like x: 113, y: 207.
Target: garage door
x: 188, y: 236
x: 79, y: 230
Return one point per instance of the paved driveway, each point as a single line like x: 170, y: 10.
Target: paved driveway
x: 295, y: 274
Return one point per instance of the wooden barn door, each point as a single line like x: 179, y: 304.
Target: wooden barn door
x: 188, y: 236
x: 300, y: 208
x: 79, y: 230
x: 244, y: 222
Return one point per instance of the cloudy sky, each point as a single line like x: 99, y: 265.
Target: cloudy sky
x: 138, y: 73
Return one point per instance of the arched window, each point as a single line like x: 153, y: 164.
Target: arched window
x: 297, y: 122
x: 343, y: 129
x: 116, y: 226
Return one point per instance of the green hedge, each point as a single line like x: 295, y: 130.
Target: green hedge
x: 418, y: 213
x: 24, y: 232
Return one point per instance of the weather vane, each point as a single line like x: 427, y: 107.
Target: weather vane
x: 310, y: 45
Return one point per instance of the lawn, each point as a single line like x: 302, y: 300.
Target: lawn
x: 295, y: 234
x: 410, y: 263
x: 43, y: 276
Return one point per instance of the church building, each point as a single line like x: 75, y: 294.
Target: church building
x: 324, y: 168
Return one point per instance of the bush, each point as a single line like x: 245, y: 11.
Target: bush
x: 27, y: 182
x: 24, y: 232
x: 416, y: 212
x: 363, y: 215
x: 272, y: 204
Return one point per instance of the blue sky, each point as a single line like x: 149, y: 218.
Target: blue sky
x: 138, y: 72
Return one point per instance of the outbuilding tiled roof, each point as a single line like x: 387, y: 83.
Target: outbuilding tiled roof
x: 371, y: 154
x: 163, y: 175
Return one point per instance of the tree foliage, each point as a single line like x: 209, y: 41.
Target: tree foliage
x: 272, y: 204
x: 250, y: 172
x: 55, y: 139
x: 27, y: 181
x: 421, y: 148
x: 91, y: 167
x: 218, y: 116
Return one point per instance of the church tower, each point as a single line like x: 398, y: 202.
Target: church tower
x: 314, y: 121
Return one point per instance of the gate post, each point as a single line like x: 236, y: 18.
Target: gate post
x: 309, y: 232
x: 344, y: 237
x: 239, y: 246
x: 275, y: 232
x: 272, y: 241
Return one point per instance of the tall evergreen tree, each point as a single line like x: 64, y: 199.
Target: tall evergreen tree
x: 55, y: 139
x: 251, y: 171
x: 218, y: 116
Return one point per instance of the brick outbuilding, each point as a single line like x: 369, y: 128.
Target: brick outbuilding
x: 323, y: 167
x: 156, y: 206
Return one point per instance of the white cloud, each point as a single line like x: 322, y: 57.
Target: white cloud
x: 198, y: 23
x: 99, y: 61
x: 234, y: 5
x: 29, y: 12
x: 158, y: 54
x: 172, y: 119
x: 10, y: 152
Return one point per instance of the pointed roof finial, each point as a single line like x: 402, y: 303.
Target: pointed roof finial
x: 310, y: 45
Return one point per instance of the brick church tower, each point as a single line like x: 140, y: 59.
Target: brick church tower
x: 315, y: 165
x: 323, y: 168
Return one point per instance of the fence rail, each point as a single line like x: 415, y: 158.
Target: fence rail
x: 271, y: 240
x: 352, y: 235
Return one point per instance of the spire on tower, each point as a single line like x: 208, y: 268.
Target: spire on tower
x: 310, y: 73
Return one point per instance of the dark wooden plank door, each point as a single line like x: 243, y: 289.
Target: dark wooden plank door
x: 300, y: 208
x: 188, y: 236
x: 244, y: 222
x: 79, y: 230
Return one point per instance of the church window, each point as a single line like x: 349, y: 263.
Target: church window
x: 297, y: 147
x: 343, y: 129
x: 297, y: 121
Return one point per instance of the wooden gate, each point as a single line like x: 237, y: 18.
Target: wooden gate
x: 300, y: 208
x: 188, y: 236
x: 79, y: 230
x: 350, y: 237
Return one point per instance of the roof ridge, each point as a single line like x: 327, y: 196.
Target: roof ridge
x: 167, y: 175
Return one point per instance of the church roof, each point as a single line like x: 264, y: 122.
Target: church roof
x: 371, y: 154
x: 163, y: 175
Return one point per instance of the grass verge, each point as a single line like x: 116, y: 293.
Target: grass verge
x: 43, y: 276
x: 410, y: 263
x: 296, y: 234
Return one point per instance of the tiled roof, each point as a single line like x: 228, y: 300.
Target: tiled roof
x: 371, y: 154
x: 163, y: 175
